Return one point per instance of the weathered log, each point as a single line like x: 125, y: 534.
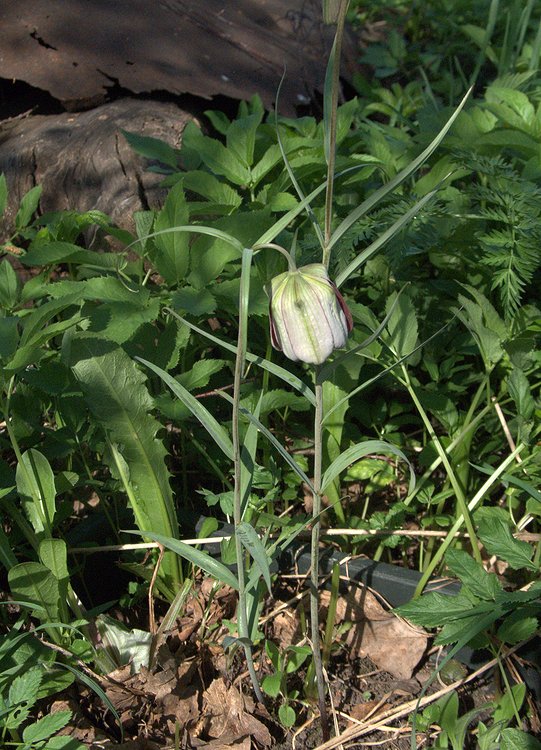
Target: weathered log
x: 77, y: 49
x: 83, y: 162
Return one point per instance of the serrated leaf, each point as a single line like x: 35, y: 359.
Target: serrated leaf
x: 172, y: 254
x: 434, y: 610
x: 193, y: 301
x: 116, y: 394
x: 46, y: 726
x: 24, y: 688
x: 498, y: 540
x: 482, y: 584
x: 201, y: 559
x: 200, y: 373
x: 517, y: 628
x: 250, y: 540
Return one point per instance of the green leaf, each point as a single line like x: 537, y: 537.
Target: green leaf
x: 213, y: 427
x: 35, y: 485
x: 51, y: 253
x: 193, y: 301
x: 272, y: 684
x: 482, y: 584
x: 250, y: 540
x: 172, y: 248
x: 516, y: 628
x: 402, y: 324
x: 210, y: 187
x: 498, y: 540
x: 240, y: 138
x: 153, y: 148
x: 514, y: 739
x: 265, y: 364
x: 116, y: 394
x: 200, y: 373
x: 25, y: 687
x: 219, y: 159
x: 34, y: 583
x: 355, y: 452
x: 287, y: 716
x: 9, y: 337
x: 201, y: 559
x: 27, y: 207
x: 46, y: 726
x: 433, y: 610
x: 377, y: 195
x: 9, y: 286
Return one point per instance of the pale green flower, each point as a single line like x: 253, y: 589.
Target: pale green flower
x: 308, y: 316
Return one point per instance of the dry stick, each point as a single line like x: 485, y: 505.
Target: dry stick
x: 392, y: 714
x: 525, y: 536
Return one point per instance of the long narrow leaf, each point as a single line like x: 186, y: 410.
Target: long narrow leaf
x: 366, y: 205
x: 265, y: 364
x: 355, y: 452
x: 383, y: 238
x: 250, y: 541
x: 211, y: 425
x: 273, y: 441
x: 201, y: 559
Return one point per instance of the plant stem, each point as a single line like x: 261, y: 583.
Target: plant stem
x: 330, y: 123
x: 237, y: 500
x: 314, y: 555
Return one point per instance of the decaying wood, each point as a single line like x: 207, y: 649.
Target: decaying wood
x: 83, y: 162
x: 77, y: 49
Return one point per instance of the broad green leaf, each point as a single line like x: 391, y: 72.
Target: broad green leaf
x: 193, y: 301
x: 116, y: 394
x: 472, y: 575
x: 287, y: 715
x: 498, y: 540
x: 153, y: 148
x: 34, y: 583
x: 210, y: 187
x: 172, y: 254
x: 24, y: 688
x: 219, y: 159
x: 510, y: 703
x: 517, y: 627
x: 272, y: 684
x: 200, y: 373
x: 9, y: 286
x: 240, y: 138
x: 35, y: 485
x: 402, y: 324
x: 50, y: 253
x: 515, y: 739
x: 45, y: 727
x: 27, y: 207
x: 433, y: 610
x: 53, y: 553
x: 250, y: 540
x: 200, y: 412
x: 7, y: 558
x: 355, y: 452
x: 201, y: 559
x: 9, y: 337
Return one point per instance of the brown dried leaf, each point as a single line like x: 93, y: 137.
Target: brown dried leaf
x: 226, y: 718
x: 391, y: 643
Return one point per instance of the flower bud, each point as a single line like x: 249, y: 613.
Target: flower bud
x: 308, y: 316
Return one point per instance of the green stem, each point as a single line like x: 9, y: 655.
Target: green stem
x: 237, y: 509
x: 314, y: 553
x: 331, y: 157
x: 460, y: 498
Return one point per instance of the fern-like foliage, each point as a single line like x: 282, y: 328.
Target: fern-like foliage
x: 511, y: 240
